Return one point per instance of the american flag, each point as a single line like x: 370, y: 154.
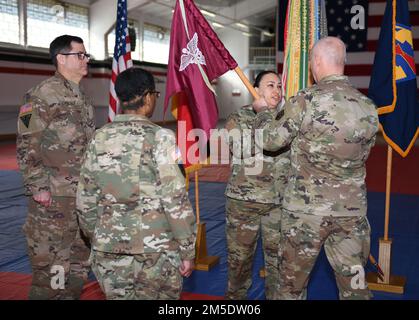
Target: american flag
x: 340, y: 14
x: 361, y: 48
x: 121, y: 55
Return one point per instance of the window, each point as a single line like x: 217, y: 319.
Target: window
x: 9, y: 21
x: 48, y: 19
x: 133, y: 34
x: 155, y: 46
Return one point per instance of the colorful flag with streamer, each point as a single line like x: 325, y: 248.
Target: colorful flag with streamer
x: 305, y: 24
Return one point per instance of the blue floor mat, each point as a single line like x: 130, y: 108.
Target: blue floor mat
x: 404, y: 229
x: 13, y: 211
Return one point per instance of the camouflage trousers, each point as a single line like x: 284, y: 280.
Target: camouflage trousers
x: 347, y: 244
x: 57, y: 251
x: 148, y: 276
x: 245, y: 221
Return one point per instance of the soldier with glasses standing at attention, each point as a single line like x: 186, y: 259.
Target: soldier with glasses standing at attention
x: 55, y: 123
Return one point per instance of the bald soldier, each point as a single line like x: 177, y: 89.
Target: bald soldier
x: 55, y: 124
x: 331, y: 127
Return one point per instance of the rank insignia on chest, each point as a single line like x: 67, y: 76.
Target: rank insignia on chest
x: 25, y: 114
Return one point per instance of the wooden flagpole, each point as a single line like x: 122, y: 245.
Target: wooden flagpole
x: 203, y: 261
x: 389, y: 283
x: 388, y: 190
x: 197, y: 196
x: 247, y: 83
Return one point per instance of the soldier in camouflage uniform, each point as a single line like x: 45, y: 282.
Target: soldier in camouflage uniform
x: 253, y: 198
x: 133, y: 203
x: 54, y: 126
x: 331, y: 127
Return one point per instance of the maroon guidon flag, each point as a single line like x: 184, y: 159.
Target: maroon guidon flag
x: 196, y: 58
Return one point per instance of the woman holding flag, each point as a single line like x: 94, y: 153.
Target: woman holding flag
x: 253, y: 201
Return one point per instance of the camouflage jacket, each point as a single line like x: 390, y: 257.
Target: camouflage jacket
x: 54, y: 126
x: 331, y: 127
x: 268, y: 184
x: 131, y: 196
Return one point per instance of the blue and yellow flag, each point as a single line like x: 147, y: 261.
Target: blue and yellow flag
x: 393, y: 85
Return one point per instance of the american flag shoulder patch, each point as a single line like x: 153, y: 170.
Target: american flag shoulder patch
x: 25, y: 109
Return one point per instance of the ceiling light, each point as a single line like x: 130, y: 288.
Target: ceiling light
x: 247, y: 34
x: 268, y: 34
x: 217, y: 25
x: 241, y: 25
x: 207, y: 13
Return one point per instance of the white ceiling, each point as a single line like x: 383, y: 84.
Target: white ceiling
x: 258, y: 14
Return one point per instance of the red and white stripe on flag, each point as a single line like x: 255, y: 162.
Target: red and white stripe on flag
x: 121, y: 56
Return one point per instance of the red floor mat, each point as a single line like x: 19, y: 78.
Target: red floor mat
x: 15, y: 286
x: 8, y: 157
x: 405, y: 171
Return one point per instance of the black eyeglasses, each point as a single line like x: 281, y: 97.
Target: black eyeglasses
x: 80, y: 55
x: 157, y: 93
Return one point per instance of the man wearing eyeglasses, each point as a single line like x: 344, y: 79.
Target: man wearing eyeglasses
x: 55, y: 124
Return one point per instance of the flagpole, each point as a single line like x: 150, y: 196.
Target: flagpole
x: 384, y: 256
x: 197, y: 197
x: 396, y: 12
x: 203, y: 261
x: 388, y: 191
x: 384, y: 280
x: 247, y: 83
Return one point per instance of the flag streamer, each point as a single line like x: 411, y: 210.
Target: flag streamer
x: 305, y: 24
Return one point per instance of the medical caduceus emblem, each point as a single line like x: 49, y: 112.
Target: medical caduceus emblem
x: 191, y: 54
